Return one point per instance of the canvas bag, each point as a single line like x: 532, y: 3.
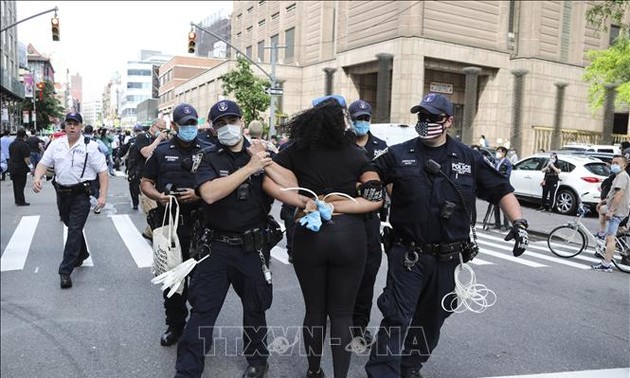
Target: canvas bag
x: 167, y: 252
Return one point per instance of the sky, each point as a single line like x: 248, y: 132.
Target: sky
x: 97, y: 38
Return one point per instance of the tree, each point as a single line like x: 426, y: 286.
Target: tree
x: 610, y: 66
x: 248, y: 90
x: 47, y: 106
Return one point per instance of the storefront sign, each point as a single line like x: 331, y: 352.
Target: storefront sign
x: 441, y: 87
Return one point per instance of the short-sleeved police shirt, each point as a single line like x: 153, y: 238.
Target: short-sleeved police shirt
x: 325, y: 170
x: 68, y: 162
x: 419, y: 198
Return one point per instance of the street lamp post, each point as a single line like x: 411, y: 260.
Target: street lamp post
x: 55, y: 9
x: 272, y: 76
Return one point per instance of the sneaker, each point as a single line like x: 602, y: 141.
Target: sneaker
x: 256, y: 371
x: 410, y: 373
x: 603, y: 268
x: 600, y: 235
x: 318, y: 374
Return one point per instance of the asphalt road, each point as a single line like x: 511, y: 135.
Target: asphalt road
x: 551, y: 315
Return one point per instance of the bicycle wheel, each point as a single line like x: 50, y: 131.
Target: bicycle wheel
x: 621, y: 257
x: 566, y: 241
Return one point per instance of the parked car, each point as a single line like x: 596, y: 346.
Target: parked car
x: 393, y: 133
x: 603, y: 156
x: 579, y: 175
x: 616, y: 149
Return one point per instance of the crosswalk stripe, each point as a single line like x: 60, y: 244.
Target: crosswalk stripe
x: 280, y: 254
x: 14, y: 256
x: 141, y: 252
x: 478, y: 261
x: 86, y: 262
x: 504, y: 256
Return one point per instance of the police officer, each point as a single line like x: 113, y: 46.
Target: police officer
x: 435, y: 179
x: 235, y: 212
x: 361, y: 115
x: 76, y: 162
x: 168, y: 172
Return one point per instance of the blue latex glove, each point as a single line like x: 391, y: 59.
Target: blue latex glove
x: 325, y: 209
x: 311, y: 221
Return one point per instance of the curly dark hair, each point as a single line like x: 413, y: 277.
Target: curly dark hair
x: 320, y: 126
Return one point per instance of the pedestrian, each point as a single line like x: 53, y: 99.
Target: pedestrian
x: 328, y: 261
x: 76, y: 161
x: 255, y: 129
x: 235, y: 211
x: 19, y: 166
x: 103, y: 135
x: 513, y: 156
x: 614, y: 209
x: 483, y: 142
x: 435, y: 180
x: 550, y: 183
x: 36, y: 145
x: 5, y: 142
x: 361, y: 116
x: 162, y: 179
x: 504, y: 166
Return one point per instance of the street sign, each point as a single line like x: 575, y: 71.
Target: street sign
x: 274, y: 91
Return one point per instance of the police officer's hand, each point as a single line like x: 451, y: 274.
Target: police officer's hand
x: 164, y: 199
x: 186, y: 195
x: 37, y: 185
x: 100, y: 202
x: 256, y: 146
x: 259, y: 160
x: 519, y: 233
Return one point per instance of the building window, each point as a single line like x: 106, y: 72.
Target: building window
x: 275, y: 16
x: 250, y: 9
x: 291, y: 7
x: 239, y: 16
x: 238, y: 35
x: 261, y: 2
x: 274, y: 40
x: 261, y: 51
x: 248, y: 51
x: 249, y: 28
x: 614, y: 33
x: 261, y: 22
x: 289, y: 42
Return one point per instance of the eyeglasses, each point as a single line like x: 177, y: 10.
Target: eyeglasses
x: 434, y: 118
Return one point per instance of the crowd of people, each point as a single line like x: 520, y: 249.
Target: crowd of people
x: 332, y: 176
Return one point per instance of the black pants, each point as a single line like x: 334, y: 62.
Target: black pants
x: 73, y: 210
x: 329, y: 265
x: 209, y: 284
x: 19, y: 183
x: 363, y: 303
x: 175, y: 307
x: 286, y: 214
x: 4, y: 174
x: 134, y: 190
x: 412, y: 311
x: 548, y: 200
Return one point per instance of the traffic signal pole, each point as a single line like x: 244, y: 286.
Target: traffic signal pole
x: 55, y: 9
x: 272, y: 76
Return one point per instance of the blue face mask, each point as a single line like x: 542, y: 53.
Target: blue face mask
x: 361, y: 127
x: 187, y: 133
x: 615, y: 168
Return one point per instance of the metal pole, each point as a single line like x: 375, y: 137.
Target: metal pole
x: 556, y: 136
x: 28, y: 18
x: 516, y: 139
x: 272, y: 104
x: 470, y: 103
x: 35, y: 111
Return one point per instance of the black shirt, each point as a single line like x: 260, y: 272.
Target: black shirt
x: 19, y: 150
x: 374, y: 146
x: 325, y: 170
x: 34, y: 143
x: 247, y: 206
x: 136, y: 159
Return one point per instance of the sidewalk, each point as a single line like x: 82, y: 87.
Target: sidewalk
x: 540, y: 223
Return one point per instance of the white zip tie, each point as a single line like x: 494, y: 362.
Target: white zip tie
x: 339, y: 194
x: 469, y: 295
x: 315, y: 195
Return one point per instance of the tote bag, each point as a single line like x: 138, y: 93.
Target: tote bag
x: 167, y: 252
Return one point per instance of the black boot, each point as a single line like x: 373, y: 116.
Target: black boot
x: 170, y: 336
x: 318, y: 374
x: 256, y: 371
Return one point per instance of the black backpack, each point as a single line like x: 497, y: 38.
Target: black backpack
x: 606, y: 185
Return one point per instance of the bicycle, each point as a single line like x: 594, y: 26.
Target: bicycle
x: 572, y: 238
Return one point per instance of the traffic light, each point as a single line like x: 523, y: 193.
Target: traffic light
x: 54, y: 22
x: 40, y: 89
x: 192, y: 42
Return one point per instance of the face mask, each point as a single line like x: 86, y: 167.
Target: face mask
x: 615, y: 168
x: 187, y: 133
x: 553, y: 160
x: 229, y: 135
x: 428, y: 130
x: 361, y: 127
x: 498, y: 155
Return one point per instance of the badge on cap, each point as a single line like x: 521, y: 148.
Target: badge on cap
x: 223, y: 106
x: 429, y: 98
x: 362, y: 105
x: 187, y: 110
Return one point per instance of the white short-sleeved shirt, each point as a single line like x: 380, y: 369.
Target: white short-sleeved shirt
x: 68, y: 161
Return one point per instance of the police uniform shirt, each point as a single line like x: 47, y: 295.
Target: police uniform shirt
x: 68, y: 161
x: 419, y: 197
x: 172, y: 162
x: 324, y: 170
x: 231, y: 214
x: 374, y: 146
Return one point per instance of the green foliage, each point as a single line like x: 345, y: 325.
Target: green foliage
x: 601, y: 13
x: 610, y: 66
x: 248, y: 90
x: 47, y: 109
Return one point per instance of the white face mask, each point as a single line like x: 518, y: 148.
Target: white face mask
x: 229, y: 135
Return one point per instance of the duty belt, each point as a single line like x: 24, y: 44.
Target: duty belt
x: 443, y: 251
x: 228, y: 238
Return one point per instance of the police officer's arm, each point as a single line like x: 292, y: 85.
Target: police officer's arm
x: 98, y: 163
x: 281, y: 175
x: 148, y: 180
x: 220, y: 187
x: 148, y: 150
x: 510, y: 206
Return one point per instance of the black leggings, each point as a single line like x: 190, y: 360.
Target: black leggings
x: 329, y: 265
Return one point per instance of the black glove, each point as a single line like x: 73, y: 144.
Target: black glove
x: 520, y: 235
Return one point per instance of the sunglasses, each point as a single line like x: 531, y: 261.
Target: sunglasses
x: 434, y: 118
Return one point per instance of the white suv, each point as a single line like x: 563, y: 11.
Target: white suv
x: 580, y: 174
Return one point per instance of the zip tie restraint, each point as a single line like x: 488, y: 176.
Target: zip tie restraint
x: 468, y: 295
